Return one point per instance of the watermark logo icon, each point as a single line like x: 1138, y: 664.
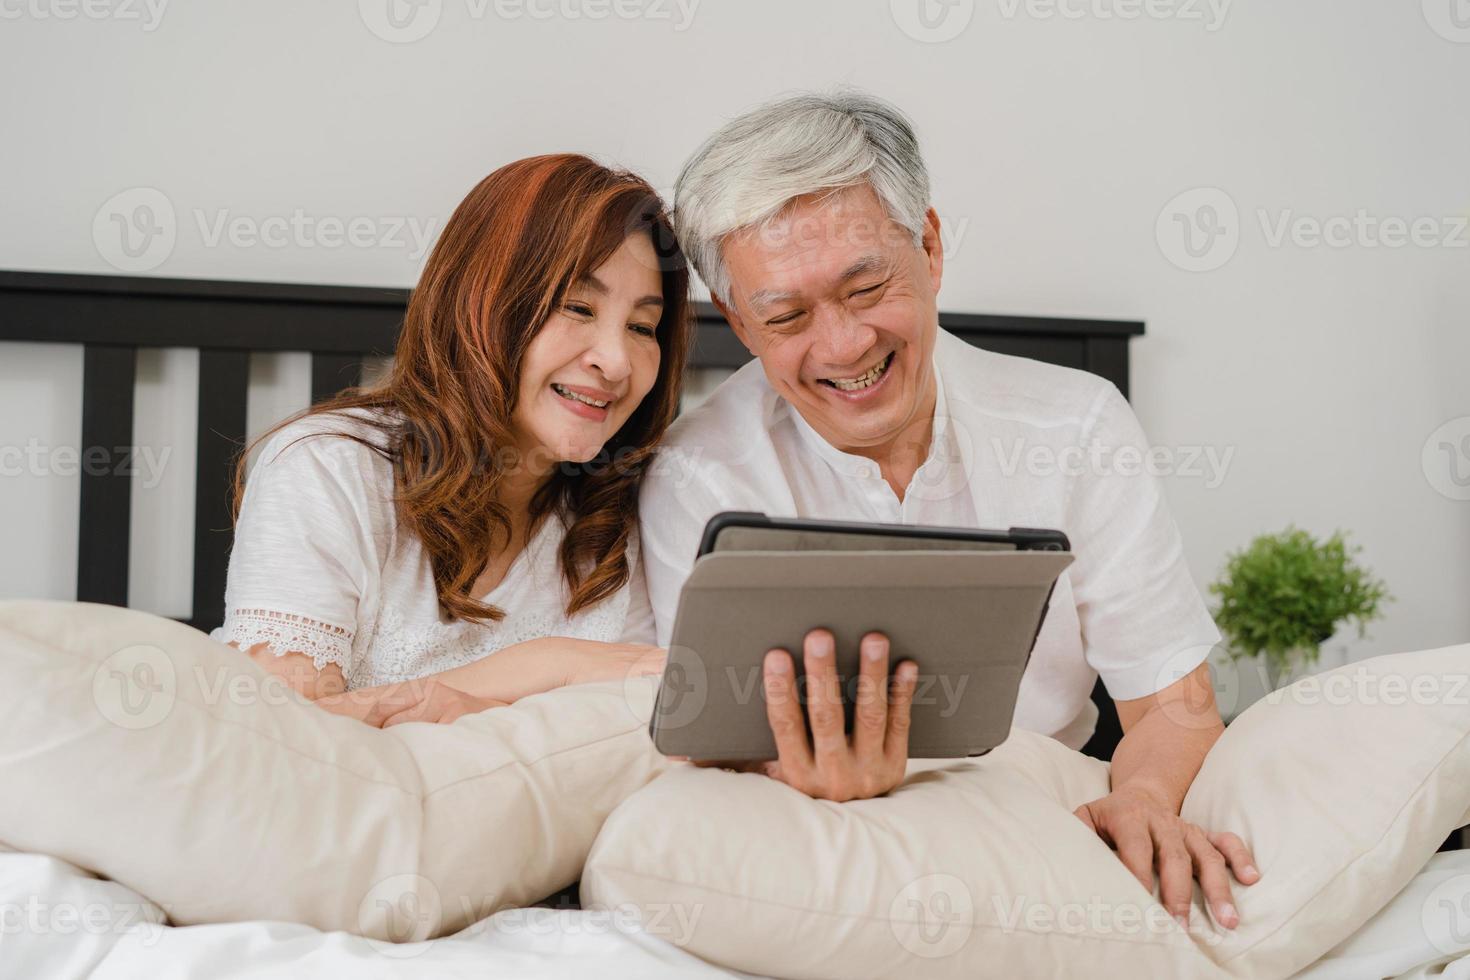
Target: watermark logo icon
x: 135, y: 230
x: 1445, y: 915
x: 1450, y: 19
x: 400, y: 21
x: 932, y: 916
x: 1199, y: 230
x: 684, y: 691
x: 405, y: 910
x: 932, y: 21
x: 1446, y: 458
x: 136, y: 687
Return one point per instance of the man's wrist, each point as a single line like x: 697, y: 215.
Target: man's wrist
x: 1153, y: 790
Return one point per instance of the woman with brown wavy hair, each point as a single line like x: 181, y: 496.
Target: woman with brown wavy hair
x: 465, y: 533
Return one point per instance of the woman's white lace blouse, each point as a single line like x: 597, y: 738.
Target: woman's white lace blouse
x: 320, y: 566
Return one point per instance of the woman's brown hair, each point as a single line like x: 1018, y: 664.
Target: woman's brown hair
x: 502, y: 266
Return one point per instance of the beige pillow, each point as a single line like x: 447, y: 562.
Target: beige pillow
x: 1344, y: 784
x: 139, y: 749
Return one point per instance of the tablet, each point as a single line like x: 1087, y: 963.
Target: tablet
x: 966, y: 605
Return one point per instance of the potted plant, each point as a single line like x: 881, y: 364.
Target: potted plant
x: 1286, y: 594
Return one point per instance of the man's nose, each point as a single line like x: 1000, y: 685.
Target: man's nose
x: 841, y: 338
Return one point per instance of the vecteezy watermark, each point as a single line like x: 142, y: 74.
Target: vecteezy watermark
x: 136, y: 687
x: 36, y: 458
x: 1207, y: 463
x: 399, y: 913
x: 1199, y: 230
x: 1446, y: 458
x: 1209, y: 13
x: 674, y: 922
x: 1096, y: 917
x: 406, y: 21
x: 932, y: 21
x: 933, y: 916
x: 148, y: 14
x: 136, y: 230
x: 1363, y: 229
x: 1445, y: 915
x: 1358, y: 685
x: 1450, y: 19
x: 36, y: 917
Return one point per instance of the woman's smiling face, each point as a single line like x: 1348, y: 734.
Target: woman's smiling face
x: 593, y: 360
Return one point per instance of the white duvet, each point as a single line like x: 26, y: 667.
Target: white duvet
x: 59, y: 922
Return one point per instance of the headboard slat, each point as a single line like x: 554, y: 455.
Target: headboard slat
x: 104, y: 525
x: 224, y: 378
x: 331, y: 372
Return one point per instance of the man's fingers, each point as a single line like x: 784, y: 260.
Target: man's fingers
x: 900, y: 702
x: 1238, y: 856
x: 824, y: 699
x: 1176, y: 872
x: 783, y: 711
x: 870, y: 718
x: 1214, y: 878
x: 1135, y: 849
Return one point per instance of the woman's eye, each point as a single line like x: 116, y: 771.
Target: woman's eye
x: 579, y: 309
x: 643, y: 329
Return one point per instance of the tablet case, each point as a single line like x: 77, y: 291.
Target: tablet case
x: 968, y: 618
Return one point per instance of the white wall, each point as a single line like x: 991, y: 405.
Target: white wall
x: 1055, y: 143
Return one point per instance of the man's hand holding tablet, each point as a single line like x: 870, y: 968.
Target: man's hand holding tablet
x: 964, y: 604
x: 829, y: 763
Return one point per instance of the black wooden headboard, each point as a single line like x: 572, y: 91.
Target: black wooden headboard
x: 340, y: 326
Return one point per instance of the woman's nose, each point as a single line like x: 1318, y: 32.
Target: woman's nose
x: 609, y: 353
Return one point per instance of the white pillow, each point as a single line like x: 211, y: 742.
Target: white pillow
x: 1344, y: 785
x: 139, y: 749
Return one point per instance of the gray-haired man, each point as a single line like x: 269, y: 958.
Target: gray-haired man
x: 810, y: 221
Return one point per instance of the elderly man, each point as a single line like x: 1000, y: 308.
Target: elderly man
x: 810, y: 221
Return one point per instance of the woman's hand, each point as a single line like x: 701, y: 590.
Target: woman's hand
x: 442, y: 705
x: 425, y: 699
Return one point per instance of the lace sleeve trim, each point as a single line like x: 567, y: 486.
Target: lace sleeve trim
x: 284, y: 633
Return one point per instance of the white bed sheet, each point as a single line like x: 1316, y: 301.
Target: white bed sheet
x: 59, y: 922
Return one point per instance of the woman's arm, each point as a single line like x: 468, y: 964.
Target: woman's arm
x: 298, y: 672
x: 508, y: 675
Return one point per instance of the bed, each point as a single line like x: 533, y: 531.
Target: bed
x: 61, y: 921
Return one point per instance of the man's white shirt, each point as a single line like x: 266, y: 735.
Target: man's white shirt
x: 1016, y: 442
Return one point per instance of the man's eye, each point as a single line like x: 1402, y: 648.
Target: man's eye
x: 784, y: 319
x: 868, y: 290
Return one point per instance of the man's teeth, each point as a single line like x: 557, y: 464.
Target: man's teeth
x: 865, y: 380
x: 569, y: 393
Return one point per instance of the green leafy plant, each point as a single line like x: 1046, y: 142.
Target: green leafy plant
x: 1286, y: 594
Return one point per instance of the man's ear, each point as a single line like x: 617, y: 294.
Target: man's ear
x: 933, y: 247
x: 736, y: 324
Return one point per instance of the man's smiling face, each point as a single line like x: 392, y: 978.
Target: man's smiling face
x: 840, y: 306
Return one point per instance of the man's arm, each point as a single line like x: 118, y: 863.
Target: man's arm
x: 1165, y: 739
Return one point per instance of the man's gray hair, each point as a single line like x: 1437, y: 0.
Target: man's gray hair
x: 755, y: 165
